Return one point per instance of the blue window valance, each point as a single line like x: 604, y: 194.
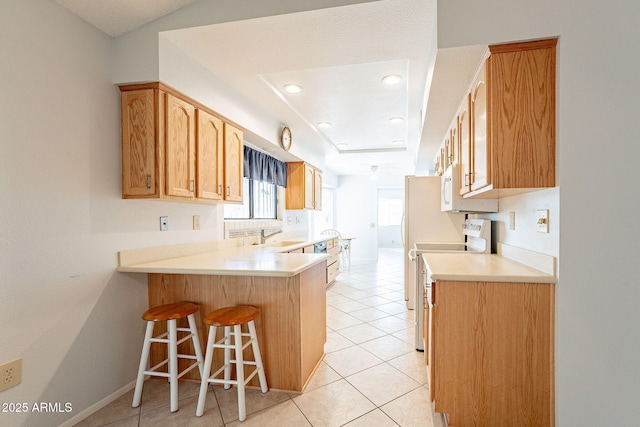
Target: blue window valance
x: 262, y: 167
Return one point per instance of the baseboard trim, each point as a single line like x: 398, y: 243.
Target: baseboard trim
x: 98, y: 405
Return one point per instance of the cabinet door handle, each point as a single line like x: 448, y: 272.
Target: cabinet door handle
x: 219, y: 189
x: 228, y: 191
x: 148, y: 181
x: 192, y: 186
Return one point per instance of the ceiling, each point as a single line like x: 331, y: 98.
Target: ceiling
x: 338, y: 56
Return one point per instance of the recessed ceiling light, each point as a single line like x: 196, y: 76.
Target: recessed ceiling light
x: 392, y: 79
x: 341, y: 144
x: 291, y: 88
x: 396, y: 120
x: 397, y: 142
x: 324, y: 124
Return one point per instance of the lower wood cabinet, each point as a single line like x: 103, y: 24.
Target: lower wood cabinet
x: 490, y: 352
x: 333, y: 263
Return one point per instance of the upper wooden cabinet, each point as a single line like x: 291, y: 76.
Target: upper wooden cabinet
x: 464, y: 144
x: 304, y: 186
x: 512, y: 110
x: 210, y: 156
x: 180, y: 148
x: 140, y: 154
x: 175, y: 149
x: 233, y: 163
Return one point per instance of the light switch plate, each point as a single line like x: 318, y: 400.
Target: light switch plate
x: 543, y: 220
x: 512, y: 220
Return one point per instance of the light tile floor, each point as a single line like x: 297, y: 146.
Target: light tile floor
x: 371, y: 374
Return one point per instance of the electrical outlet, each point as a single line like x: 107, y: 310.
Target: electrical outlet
x: 512, y: 220
x: 164, y: 223
x: 196, y: 222
x: 10, y: 374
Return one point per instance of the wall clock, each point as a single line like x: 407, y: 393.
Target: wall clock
x: 285, y: 138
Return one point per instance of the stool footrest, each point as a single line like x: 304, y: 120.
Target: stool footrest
x: 214, y: 380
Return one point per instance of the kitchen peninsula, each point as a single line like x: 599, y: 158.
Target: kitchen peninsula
x: 287, y: 288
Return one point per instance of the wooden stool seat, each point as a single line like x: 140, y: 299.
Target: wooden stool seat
x: 169, y: 313
x: 230, y: 316
x: 166, y: 312
x: 232, y: 319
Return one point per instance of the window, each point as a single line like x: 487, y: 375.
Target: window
x: 260, y: 201
x: 389, y: 212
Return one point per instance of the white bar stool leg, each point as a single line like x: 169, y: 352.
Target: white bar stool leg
x: 237, y: 331
x: 258, y: 357
x: 207, y: 371
x: 196, y: 342
x: 227, y: 357
x: 173, y: 363
x: 144, y: 358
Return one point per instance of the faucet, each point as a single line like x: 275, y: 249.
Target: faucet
x: 263, y: 237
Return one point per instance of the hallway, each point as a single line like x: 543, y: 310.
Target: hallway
x: 370, y: 375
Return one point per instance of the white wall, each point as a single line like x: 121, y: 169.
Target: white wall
x: 525, y: 234
x: 63, y: 307
x: 597, y: 350
x: 357, y: 199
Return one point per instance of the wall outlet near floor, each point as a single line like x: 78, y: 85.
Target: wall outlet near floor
x: 10, y: 374
x: 196, y: 222
x: 164, y: 223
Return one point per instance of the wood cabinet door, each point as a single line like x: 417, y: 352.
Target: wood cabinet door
x: 210, y: 161
x: 522, y: 114
x: 493, y: 353
x: 479, y: 141
x: 139, y: 144
x: 309, y: 186
x: 464, y: 142
x: 180, y: 152
x: 317, y: 189
x: 233, y: 163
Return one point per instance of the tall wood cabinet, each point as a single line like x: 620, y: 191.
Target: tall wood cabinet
x: 304, y: 186
x: 490, y: 353
x: 176, y: 149
x: 512, y: 101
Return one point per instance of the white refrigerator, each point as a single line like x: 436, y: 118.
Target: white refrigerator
x: 425, y: 222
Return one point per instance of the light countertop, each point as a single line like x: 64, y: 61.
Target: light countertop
x: 482, y: 268
x: 271, y: 259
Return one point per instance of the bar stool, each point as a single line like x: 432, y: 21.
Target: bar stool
x: 169, y: 313
x: 228, y: 317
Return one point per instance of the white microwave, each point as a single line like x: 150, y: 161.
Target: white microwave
x: 451, y: 201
